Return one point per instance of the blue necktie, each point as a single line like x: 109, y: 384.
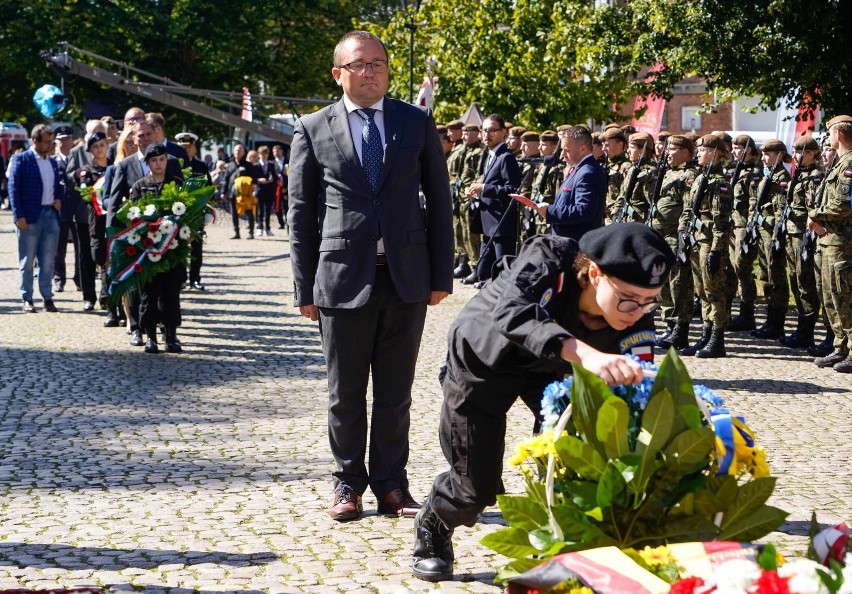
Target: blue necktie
x: 372, y: 153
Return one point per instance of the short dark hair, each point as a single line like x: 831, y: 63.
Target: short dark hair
x: 156, y: 119
x: 39, y: 130
x: 496, y: 117
x: 580, y: 135
x: 362, y: 35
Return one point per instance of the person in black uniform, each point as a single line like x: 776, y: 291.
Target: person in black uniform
x: 189, y: 142
x: 160, y: 297
x: 557, y: 302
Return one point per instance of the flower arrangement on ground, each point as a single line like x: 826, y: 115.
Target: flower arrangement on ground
x: 632, y: 467
x: 158, y: 234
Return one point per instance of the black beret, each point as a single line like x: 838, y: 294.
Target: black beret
x: 93, y: 139
x: 154, y: 150
x: 631, y: 252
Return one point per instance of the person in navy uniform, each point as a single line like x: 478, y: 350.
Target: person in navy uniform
x: 558, y: 302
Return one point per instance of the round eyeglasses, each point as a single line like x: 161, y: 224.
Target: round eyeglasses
x: 631, y: 305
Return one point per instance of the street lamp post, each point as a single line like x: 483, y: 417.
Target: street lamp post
x: 412, y: 27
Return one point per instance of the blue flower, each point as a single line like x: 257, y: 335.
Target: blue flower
x: 554, y: 402
x: 709, y: 396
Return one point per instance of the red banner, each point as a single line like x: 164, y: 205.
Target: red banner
x: 652, y: 119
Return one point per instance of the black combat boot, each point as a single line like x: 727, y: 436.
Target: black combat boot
x: 433, y: 547
x: 773, y: 327
x: 802, y: 337
x: 745, y: 319
x: 831, y: 359
x: 662, y: 341
x: 463, y: 269
x: 172, y: 343
x: 844, y: 366
x: 696, y: 307
x: 826, y: 346
x: 679, y: 338
x: 715, y: 346
x: 706, y: 330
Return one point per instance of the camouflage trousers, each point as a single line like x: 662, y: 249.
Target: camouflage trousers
x: 741, y: 271
x: 458, y: 235
x: 802, y: 279
x: 776, y: 290
x: 471, y: 241
x: 677, y: 294
x: 711, y: 288
x: 834, y: 267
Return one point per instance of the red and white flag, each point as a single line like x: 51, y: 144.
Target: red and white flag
x: 426, y: 95
x: 247, y: 109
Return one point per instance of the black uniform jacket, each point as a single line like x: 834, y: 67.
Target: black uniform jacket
x: 515, y: 324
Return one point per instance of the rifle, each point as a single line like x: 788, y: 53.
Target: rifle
x: 756, y: 219
x: 809, y: 238
x: 662, y: 167
x: 529, y: 216
x: 686, y: 238
x: 626, y: 209
x: 738, y: 168
x: 781, y: 223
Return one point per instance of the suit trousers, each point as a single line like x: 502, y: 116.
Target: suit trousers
x: 381, y: 338
x: 66, y: 229
x: 491, y: 251
x: 160, y: 300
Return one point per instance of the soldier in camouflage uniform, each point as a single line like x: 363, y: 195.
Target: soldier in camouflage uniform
x: 633, y: 208
x: 545, y: 184
x: 776, y: 288
x: 455, y: 164
x: 745, y: 193
x: 617, y: 165
x: 676, y: 296
x: 800, y: 273
x: 470, y: 172
x: 831, y: 220
x: 710, y: 214
x: 661, y: 146
x: 516, y: 134
x: 827, y: 160
x: 530, y: 163
x: 598, y: 150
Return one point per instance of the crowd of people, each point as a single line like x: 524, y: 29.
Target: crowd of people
x: 64, y: 192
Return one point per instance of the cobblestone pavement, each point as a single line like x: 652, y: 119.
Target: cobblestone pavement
x: 210, y: 470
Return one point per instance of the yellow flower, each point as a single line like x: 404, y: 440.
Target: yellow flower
x: 583, y: 590
x: 759, y: 467
x: 536, y: 447
x: 657, y: 556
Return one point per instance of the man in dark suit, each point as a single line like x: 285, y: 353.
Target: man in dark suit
x: 128, y: 172
x: 36, y: 190
x: 158, y: 126
x: 581, y: 200
x: 366, y: 262
x: 501, y: 176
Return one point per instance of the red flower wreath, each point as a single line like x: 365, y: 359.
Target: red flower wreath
x: 130, y: 251
x: 147, y: 242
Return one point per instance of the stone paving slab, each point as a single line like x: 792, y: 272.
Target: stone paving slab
x: 209, y: 471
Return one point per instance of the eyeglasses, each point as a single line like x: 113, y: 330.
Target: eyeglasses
x: 492, y: 130
x: 631, y: 305
x: 134, y: 119
x: 360, y: 66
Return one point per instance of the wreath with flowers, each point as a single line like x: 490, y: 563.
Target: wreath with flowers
x: 158, y: 235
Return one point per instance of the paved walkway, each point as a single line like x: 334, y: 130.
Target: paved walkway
x: 209, y: 470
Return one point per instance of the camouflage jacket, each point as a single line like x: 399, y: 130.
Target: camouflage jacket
x: 745, y: 192
x: 675, y: 188
x: 834, y: 212
x: 635, y: 207
x: 616, y: 169
x: 803, y: 195
x: 713, y: 224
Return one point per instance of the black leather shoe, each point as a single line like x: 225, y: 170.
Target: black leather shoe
x: 122, y: 322
x: 58, y: 288
x: 111, y: 322
x: 172, y: 343
x: 432, y: 560
x: 49, y: 306
x: 398, y: 502
x: 470, y: 279
x: 151, y: 345
x: 29, y: 307
x: 478, y: 284
x: 88, y: 306
x: 236, y: 235
x: 250, y: 235
x: 461, y: 271
x: 136, y: 338
x: 197, y: 286
x: 346, y: 505
x: 822, y: 349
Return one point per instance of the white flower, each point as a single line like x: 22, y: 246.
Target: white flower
x: 736, y: 576
x: 154, y: 257
x: 173, y: 245
x: 178, y: 208
x: 184, y: 233
x: 150, y: 210
x: 133, y: 238
x: 803, y: 576
x: 156, y: 236
x: 167, y: 226
x: 133, y: 212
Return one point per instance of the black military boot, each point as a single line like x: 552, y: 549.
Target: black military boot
x: 825, y: 347
x: 773, y: 327
x: 696, y: 307
x: 715, y: 346
x: 679, y: 338
x: 706, y: 330
x: 172, y: 343
x: 831, y: 359
x: 433, y: 547
x: 662, y: 341
x: 745, y: 319
x: 802, y: 337
x: 463, y: 269
x: 844, y: 366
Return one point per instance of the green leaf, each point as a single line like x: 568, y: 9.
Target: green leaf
x: 611, y: 488
x: 750, y: 497
x: 673, y: 376
x: 656, y: 429
x: 542, y: 539
x: 511, y: 542
x: 580, y: 457
x: 812, y: 532
x: 588, y: 393
x: 689, y: 529
x: 768, y: 558
x: 522, y: 512
x: 691, y: 449
x: 756, y: 525
x: 583, y: 494
x: 613, y: 419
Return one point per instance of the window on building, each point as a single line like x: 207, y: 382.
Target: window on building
x: 690, y: 117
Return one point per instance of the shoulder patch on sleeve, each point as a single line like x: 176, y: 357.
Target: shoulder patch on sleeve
x: 643, y: 337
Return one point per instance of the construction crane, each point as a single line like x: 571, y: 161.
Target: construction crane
x: 119, y: 75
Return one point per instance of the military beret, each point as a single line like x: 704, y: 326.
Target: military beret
x: 632, y: 252
x: 455, y: 125
x: 745, y: 140
x: 681, y: 141
x: 470, y: 128
x: 726, y: 138
x: 442, y: 130
x: 549, y: 136
x: 806, y: 143
x: 563, y: 128
x: 628, y: 129
x: 517, y: 130
x: 662, y: 136
x: 93, y: 139
x: 610, y: 126
x: 589, y: 130
x: 154, y: 150
x: 841, y: 119
x: 773, y: 145
x: 530, y: 136
x: 596, y: 138
x: 614, y: 134
x: 711, y: 141
x: 186, y: 138
x: 642, y: 139
x: 693, y: 136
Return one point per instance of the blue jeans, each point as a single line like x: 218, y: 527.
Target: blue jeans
x: 38, y: 240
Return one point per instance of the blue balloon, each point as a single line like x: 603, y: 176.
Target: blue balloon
x: 49, y: 100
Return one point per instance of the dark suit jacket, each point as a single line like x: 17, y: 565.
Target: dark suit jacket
x: 267, y: 190
x: 127, y: 172
x: 580, y: 202
x: 177, y: 151
x: 501, y: 179
x: 25, y: 185
x: 336, y: 218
